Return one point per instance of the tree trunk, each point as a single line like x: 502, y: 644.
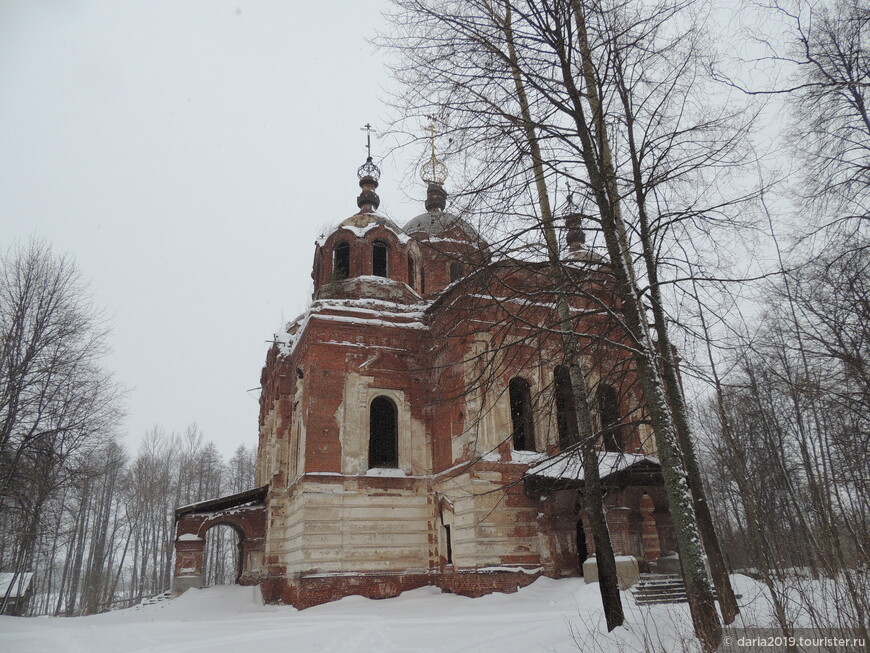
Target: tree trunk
x: 594, y: 494
x: 599, y: 165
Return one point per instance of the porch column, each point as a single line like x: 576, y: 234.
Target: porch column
x: 251, y: 560
x: 665, y: 529
x: 618, y: 518
x: 189, y: 553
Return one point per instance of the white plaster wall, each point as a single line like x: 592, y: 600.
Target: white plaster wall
x: 267, y: 453
x: 331, y: 527
x: 483, y: 522
x: 353, y: 417
x: 298, y: 435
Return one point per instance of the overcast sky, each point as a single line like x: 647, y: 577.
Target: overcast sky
x: 188, y: 154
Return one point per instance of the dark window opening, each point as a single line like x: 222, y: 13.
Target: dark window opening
x: 383, y: 433
x: 455, y: 271
x: 521, y: 414
x: 412, y: 281
x: 608, y: 411
x: 379, y: 259
x: 341, y: 262
x: 566, y: 414
x: 449, y: 544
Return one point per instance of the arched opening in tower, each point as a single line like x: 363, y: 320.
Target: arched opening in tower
x: 341, y: 261
x: 383, y: 433
x: 520, y: 393
x: 379, y: 259
x: 566, y: 416
x: 608, y: 411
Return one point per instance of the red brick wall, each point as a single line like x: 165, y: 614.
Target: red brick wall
x: 427, y: 369
x: 308, y: 591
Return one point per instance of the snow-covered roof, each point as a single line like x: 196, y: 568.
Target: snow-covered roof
x: 360, y: 224
x: 22, y: 583
x: 568, y: 466
x: 254, y: 496
x: 369, y: 312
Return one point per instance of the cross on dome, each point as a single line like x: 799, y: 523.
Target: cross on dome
x: 433, y: 171
x: 368, y: 173
x: 368, y: 129
x: 368, y: 169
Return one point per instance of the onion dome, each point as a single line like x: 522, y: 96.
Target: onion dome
x: 368, y: 173
x: 362, y: 222
x: 368, y: 200
x: 436, y: 223
x: 434, y: 173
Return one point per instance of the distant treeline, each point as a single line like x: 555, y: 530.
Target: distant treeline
x: 105, y: 538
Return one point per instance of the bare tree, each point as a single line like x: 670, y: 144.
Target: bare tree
x: 830, y: 130
x: 57, y: 404
x: 814, y: 60
x: 240, y: 469
x: 790, y: 442
x: 608, y: 95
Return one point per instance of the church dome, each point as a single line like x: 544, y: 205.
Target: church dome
x: 437, y: 223
x: 363, y: 222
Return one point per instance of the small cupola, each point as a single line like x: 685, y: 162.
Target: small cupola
x: 367, y: 255
x: 575, y: 236
x: 434, y: 174
x: 368, y: 200
x: 451, y: 247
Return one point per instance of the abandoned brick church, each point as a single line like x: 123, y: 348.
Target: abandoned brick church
x: 413, y: 419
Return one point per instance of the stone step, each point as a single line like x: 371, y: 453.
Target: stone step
x: 658, y: 592
x: 662, y: 601
x: 652, y: 589
x: 654, y: 577
x: 159, y: 598
x: 663, y: 595
x: 659, y: 588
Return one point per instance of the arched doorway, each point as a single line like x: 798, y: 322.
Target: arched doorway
x: 233, y: 527
x: 582, y: 550
x: 649, y: 534
x: 223, y: 563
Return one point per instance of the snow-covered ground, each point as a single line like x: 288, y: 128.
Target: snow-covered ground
x: 547, y: 616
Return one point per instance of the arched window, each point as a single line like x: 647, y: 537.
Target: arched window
x: 608, y: 411
x: 520, y: 393
x: 383, y: 433
x: 412, y: 272
x: 455, y: 271
x: 341, y: 261
x: 379, y: 259
x: 566, y: 415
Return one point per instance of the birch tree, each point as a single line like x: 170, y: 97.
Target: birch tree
x: 608, y: 110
